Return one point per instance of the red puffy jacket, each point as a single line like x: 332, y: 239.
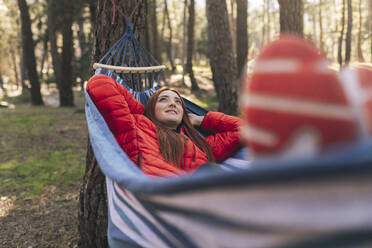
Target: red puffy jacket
x: 136, y: 134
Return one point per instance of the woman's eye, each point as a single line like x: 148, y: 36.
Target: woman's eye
x: 161, y: 99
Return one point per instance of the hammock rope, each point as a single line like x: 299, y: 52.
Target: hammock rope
x: 128, y: 59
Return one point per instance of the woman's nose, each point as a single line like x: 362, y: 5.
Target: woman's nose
x: 172, y: 103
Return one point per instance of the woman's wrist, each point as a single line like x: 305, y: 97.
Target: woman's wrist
x: 196, y: 120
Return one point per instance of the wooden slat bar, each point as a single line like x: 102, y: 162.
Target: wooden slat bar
x: 123, y: 69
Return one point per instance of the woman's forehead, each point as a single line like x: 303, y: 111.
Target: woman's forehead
x: 169, y: 93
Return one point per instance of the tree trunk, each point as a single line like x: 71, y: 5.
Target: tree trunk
x: 184, y: 43
x: 56, y: 58
x: 92, y: 12
x: 370, y: 27
x: 66, y: 96
x: 93, y: 205
x: 359, y: 41
x: 23, y: 71
x: 2, y: 86
x: 263, y: 23
x: 320, y: 17
x: 93, y: 202
x: 341, y: 38
x: 220, y: 52
x: 242, y: 34
x: 155, y: 36
x: 268, y: 28
x: 348, y: 32
x: 15, y: 67
x: 169, y: 47
x: 314, y: 31
x: 190, y: 45
x: 291, y: 17
x: 28, y: 48
x: 232, y: 26
x: 44, y: 56
x: 85, y: 44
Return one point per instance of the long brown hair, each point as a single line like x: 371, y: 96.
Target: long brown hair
x: 172, y: 143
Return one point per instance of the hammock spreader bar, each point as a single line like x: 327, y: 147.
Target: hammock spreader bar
x: 132, y: 62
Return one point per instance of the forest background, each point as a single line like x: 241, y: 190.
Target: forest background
x: 46, y: 53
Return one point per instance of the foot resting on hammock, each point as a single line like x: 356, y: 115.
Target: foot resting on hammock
x: 160, y: 138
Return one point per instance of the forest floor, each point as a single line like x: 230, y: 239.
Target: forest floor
x: 42, y: 163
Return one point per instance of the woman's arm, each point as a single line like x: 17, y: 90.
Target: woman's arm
x: 226, y: 140
x: 219, y: 122
x: 115, y: 103
x: 101, y: 86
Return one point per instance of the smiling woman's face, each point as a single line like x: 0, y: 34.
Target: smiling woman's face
x: 168, y: 109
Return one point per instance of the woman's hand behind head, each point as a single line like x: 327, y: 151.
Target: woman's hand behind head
x: 195, y: 120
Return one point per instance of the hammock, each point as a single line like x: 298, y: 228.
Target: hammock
x: 311, y: 202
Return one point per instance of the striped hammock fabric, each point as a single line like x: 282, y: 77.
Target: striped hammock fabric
x: 310, y: 202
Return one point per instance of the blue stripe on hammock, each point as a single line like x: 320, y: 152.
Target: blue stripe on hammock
x: 147, y: 222
x: 172, y: 229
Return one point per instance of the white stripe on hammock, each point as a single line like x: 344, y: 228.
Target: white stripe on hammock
x: 134, y: 203
x: 146, y: 231
x: 118, y: 222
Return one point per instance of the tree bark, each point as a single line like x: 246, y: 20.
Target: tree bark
x: 85, y: 44
x: 93, y: 203
x: 15, y: 67
x: 291, y: 17
x: 44, y: 56
x: 66, y: 96
x: 320, y: 17
x: 184, y: 43
x: 268, y: 29
x: 190, y: 45
x: 341, y: 38
x: 28, y: 48
x: 242, y: 34
x: 169, y: 47
x: 314, y: 30
x: 56, y: 58
x: 155, y: 36
x: 359, y: 41
x: 220, y: 52
x: 370, y: 27
x: 2, y: 86
x: 232, y: 26
x: 263, y: 23
x: 348, y: 32
x: 23, y: 71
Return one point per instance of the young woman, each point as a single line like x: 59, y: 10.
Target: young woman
x: 161, y: 138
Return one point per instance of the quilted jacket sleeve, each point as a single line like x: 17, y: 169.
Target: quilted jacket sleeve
x: 226, y: 140
x: 117, y: 106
